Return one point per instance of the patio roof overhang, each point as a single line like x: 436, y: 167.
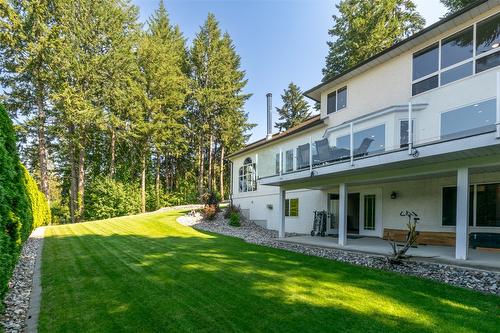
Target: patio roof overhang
x: 439, y: 158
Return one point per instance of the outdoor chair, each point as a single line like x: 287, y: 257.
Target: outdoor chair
x: 362, y: 150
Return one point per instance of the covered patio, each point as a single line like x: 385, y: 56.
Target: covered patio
x: 477, y: 258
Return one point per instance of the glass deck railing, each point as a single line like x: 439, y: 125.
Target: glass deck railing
x: 401, y: 128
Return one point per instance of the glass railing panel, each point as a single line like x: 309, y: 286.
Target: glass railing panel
x: 303, y: 157
x: 268, y: 163
x: 333, y: 148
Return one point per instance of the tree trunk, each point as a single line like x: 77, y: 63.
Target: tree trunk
x: 221, y: 175
x: 210, y: 162
x: 201, y: 170
x: 143, y: 182
x: 42, y: 146
x: 157, y: 180
x: 112, y: 169
x: 81, y: 182
x: 74, y: 178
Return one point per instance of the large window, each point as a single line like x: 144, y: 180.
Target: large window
x: 368, y: 141
x: 486, y: 207
x: 469, y: 120
x: 289, y: 160
x: 453, y: 57
x: 292, y: 207
x: 336, y: 100
x: 247, y: 176
x: 404, y: 133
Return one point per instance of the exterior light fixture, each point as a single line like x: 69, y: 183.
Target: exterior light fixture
x: 394, y: 195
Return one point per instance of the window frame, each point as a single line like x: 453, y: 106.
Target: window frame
x: 440, y: 70
x: 336, y: 94
x: 288, y: 206
x: 474, y: 205
x: 247, y: 174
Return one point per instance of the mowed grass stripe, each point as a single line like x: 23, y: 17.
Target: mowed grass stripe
x: 147, y: 273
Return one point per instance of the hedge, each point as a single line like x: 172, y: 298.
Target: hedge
x: 22, y: 206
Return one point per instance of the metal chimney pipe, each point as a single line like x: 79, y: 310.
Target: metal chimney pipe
x: 269, y: 116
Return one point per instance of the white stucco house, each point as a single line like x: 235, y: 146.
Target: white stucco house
x: 415, y: 127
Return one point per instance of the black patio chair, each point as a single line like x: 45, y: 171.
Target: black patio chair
x: 303, y: 156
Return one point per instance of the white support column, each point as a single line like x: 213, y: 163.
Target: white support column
x: 410, y: 129
x: 342, y: 214
x: 281, y: 212
x: 462, y: 232
x: 498, y: 105
x: 351, y: 142
x: 310, y: 154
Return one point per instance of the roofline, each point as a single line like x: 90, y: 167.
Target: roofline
x: 395, y: 46
x: 278, y: 136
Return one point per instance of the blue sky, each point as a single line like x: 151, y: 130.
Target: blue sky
x: 278, y: 40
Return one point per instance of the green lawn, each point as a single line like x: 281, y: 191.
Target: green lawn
x: 149, y: 274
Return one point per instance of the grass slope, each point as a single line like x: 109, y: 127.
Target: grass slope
x: 147, y: 273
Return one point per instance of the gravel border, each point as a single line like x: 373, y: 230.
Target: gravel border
x: 18, y: 298
x: 480, y: 280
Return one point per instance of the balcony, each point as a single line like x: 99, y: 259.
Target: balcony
x: 395, y: 134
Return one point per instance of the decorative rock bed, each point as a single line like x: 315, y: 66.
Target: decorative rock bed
x: 480, y: 280
x: 17, y: 300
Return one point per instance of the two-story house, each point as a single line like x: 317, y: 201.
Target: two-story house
x: 415, y: 127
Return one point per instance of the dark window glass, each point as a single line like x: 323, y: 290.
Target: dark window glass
x: 457, y: 48
x: 450, y: 205
x: 342, y: 98
x: 371, y: 140
x: 369, y: 223
x: 488, y: 205
x: 277, y: 162
x: 487, y: 62
x: 469, y: 120
x: 331, y: 102
x: 426, y: 61
x: 403, y: 132
x: 424, y: 85
x: 488, y: 34
x: 289, y: 160
x: 456, y: 73
x: 287, y: 207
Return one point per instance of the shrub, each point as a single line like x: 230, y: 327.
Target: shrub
x: 59, y: 213
x: 106, y: 198
x: 231, y: 209
x: 235, y: 219
x: 39, y: 205
x: 16, y: 219
x: 211, y: 198
x: 209, y: 212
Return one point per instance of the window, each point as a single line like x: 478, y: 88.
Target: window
x: 289, y: 160
x: 331, y: 104
x: 369, y: 209
x: 453, y: 58
x: 337, y: 100
x: 247, y: 176
x: 277, y: 163
x: 426, y: 62
x: 449, y: 208
x: 371, y: 140
x: 488, y: 205
x: 403, y: 132
x: 488, y: 34
x: 341, y: 98
x: 469, y: 120
x: 457, y: 47
x: 292, y: 207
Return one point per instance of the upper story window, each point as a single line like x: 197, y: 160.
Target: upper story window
x: 336, y: 100
x: 456, y: 56
x: 248, y: 176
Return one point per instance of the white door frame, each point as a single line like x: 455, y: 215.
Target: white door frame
x: 378, y: 212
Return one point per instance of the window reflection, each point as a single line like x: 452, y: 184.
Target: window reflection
x: 488, y: 34
x: 456, y: 48
x: 426, y: 61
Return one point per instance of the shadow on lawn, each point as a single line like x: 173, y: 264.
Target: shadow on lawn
x: 207, y: 282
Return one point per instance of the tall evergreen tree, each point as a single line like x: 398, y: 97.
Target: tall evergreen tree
x: 455, y: 5
x: 162, y: 59
x: 27, y: 38
x: 365, y: 28
x: 295, y: 109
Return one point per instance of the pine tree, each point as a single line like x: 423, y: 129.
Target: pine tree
x: 162, y: 59
x: 456, y: 5
x: 27, y: 38
x: 295, y: 109
x: 365, y: 28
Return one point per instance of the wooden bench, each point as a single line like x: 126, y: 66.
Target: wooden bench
x: 423, y: 238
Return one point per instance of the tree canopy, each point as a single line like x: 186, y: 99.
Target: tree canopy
x: 294, y: 110
x: 365, y: 28
x: 455, y: 5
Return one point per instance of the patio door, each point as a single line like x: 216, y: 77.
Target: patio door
x: 333, y: 210
x: 370, y: 206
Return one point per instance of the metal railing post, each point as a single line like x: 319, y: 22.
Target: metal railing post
x: 410, y: 129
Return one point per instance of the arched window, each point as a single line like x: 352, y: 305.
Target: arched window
x: 248, y: 176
